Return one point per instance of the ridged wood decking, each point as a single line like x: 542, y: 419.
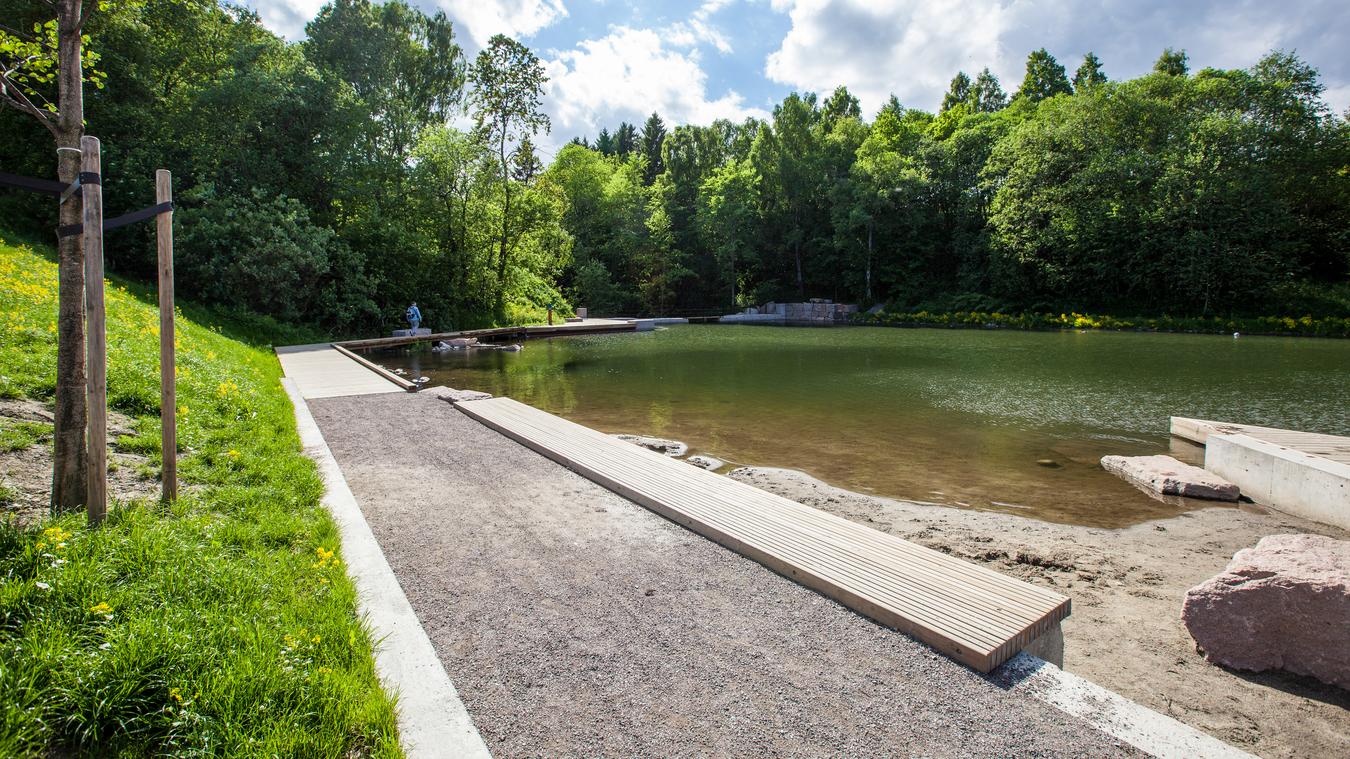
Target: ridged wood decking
x: 975, y: 615
x: 1330, y: 447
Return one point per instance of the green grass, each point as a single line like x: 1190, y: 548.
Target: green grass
x: 224, y: 625
x: 19, y: 436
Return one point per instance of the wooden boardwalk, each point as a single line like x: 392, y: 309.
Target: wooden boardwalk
x: 973, y: 614
x: 322, y: 371
x: 539, y: 330
x: 1331, y: 447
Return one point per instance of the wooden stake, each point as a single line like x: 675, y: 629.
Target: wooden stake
x: 96, y: 341
x: 168, y: 403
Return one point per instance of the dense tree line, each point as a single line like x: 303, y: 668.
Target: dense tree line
x: 316, y: 181
x: 320, y: 182
x: 1190, y: 193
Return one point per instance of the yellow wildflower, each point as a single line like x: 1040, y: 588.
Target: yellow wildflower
x: 101, y: 607
x: 176, y: 695
x: 232, y: 453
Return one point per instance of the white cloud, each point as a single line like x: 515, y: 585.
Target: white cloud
x: 626, y: 75
x: 514, y: 18
x: 699, y: 29
x: 876, y: 48
x: 287, y: 17
x: 912, y: 48
x: 479, y: 18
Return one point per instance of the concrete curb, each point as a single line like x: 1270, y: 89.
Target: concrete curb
x: 432, y: 721
x: 1141, y: 727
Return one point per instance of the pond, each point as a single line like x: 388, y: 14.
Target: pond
x: 995, y: 420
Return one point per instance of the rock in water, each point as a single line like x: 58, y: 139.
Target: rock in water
x: 1284, y: 604
x: 453, y: 396
x: 1167, y: 476
x: 711, y: 463
x: 672, y: 448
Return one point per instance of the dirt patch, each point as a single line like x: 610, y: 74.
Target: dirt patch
x: 26, y: 474
x: 1127, y: 587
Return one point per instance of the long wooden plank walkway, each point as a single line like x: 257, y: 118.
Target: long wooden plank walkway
x: 1332, y: 447
x: 968, y: 612
x: 321, y: 371
x: 537, y: 330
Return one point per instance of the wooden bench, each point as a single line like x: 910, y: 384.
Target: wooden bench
x: 973, y: 614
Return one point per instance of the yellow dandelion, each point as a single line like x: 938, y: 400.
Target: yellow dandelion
x: 176, y: 695
x: 101, y: 607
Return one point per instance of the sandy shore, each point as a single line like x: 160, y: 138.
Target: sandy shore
x: 1127, y: 587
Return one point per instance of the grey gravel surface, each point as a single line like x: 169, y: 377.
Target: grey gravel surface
x: 576, y: 623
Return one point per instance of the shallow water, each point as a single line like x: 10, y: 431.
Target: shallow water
x: 958, y: 417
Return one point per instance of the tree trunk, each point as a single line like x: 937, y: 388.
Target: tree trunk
x: 869, y: 261
x: 69, y: 459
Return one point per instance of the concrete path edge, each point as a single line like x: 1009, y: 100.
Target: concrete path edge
x: 432, y: 720
x: 1141, y: 727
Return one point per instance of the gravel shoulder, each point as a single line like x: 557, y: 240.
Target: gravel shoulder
x: 574, y: 622
x: 1127, y: 586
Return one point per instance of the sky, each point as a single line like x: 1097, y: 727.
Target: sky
x: 619, y: 60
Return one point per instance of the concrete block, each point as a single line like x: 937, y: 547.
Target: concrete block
x: 1291, y: 481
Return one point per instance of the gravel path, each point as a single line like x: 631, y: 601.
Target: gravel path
x: 574, y: 622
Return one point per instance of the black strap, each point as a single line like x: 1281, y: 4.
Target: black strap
x: 120, y: 221
x: 33, y: 184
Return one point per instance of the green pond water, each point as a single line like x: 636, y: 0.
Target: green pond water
x: 957, y: 417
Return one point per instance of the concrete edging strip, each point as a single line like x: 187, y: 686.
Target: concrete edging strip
x: 1141, y: 727
x: 432, y: 721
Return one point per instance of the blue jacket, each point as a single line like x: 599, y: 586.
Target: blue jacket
x: 413, y: 314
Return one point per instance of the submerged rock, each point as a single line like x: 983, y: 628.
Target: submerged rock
x: 451, y: 395
x: 673, y: 448
x: 1284, y: 604
x: 1165, y: 475
x: 710, y: 463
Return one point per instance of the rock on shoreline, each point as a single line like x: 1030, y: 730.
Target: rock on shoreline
x: 1165, y: 475
x: 1284, y: 604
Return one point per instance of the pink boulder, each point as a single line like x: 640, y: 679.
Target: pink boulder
x: 1284, y: 604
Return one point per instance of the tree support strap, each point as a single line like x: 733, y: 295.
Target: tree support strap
x: 121, y: 221
x: 32, y: 184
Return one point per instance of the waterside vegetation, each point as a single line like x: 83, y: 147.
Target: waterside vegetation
x: 1305, y: 326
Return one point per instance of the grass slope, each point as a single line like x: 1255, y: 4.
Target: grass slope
x: 224, y: 625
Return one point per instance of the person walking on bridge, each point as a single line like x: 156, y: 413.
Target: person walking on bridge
x: 414, y: 317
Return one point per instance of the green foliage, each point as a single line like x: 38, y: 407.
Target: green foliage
x: 221, y: 625
x: 262, y: 250
x: 1305, y: 326
x: 1219, y: 192
x: 28, y: 62
x: 1172, y: 63
x: 1045, y: 77
x: 1089, y: 74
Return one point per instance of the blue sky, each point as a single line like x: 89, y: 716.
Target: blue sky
x: 614, y: 60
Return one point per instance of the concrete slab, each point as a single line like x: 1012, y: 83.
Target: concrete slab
x: 432, y: 721
x: 320, y: 371
x: 1283, y: 478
